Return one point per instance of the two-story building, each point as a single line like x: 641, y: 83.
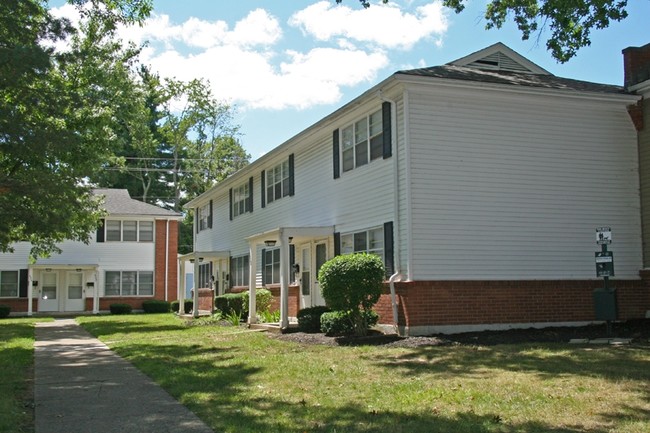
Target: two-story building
x: 131, y: 258
x: 480, y: 183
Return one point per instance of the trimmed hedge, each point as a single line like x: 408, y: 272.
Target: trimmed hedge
x: 309, y: 318
x: 4, y: 311
x: 230, y: 303
x: 263, y: 299
x: 120, y: 308
x: 189, y: 304
x: 156, y: 306
x: 342, y: 322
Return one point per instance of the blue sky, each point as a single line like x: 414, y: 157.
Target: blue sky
x: 285, y: 64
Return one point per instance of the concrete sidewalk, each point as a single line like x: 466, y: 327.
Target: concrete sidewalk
x: 80, y: 386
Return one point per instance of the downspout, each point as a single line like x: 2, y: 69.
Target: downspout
x: 167, y: 262
x: 396, y: 251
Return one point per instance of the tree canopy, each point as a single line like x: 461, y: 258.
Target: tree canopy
x: 570, y: 22
x: 58, y: 116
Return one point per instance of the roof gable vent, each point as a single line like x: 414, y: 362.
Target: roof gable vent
x: 499, y: 57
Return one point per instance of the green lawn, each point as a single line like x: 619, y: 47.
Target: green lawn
x: 241, y: 381
x: 16, y: 363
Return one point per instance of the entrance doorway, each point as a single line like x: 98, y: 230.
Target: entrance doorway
x: 74, y: 299
x: 49, y: 299
x: 313, y: 256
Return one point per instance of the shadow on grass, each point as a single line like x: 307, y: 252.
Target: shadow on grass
x: 128, y: 324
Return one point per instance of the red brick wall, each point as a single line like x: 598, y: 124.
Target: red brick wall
x: 636, y: 63
x: 19, y: 305
x: 171, y: 267
x: 430, y: 303
x: 294, y: 299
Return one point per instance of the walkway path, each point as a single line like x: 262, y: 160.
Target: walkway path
x: 81, y: 386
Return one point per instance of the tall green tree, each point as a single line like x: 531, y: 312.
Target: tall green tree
x: 58, y: 116
x: 570, y: 21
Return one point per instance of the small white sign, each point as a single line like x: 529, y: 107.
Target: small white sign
x: 603, y: 235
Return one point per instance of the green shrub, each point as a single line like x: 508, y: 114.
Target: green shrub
x: 309, y: 318
x: 345, y: 322
x: 353, y: 283
x: 269, y: 316
x: 4, y: 311
x: 189, y: 304
x: 263, y: 299
x: 230, y: 303
x: 156, y: 306
x: 120, y: 308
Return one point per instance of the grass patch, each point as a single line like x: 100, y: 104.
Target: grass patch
x: 242, y: 381
x: 16, y: 365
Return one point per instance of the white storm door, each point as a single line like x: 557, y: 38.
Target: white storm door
x: 321, y: 258
x: 305, y: 277
x: 74, y: 297
x: 49, y: 299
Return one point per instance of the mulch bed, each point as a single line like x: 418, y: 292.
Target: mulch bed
x: 637, y: 330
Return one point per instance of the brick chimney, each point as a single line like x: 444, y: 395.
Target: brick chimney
x: 636, y: 63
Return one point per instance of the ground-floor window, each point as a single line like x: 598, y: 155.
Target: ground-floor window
x: 239, y: 271
x: 205, y: 275
x: 365, y: 241
x: 128, y: 283
x: 8, y: 284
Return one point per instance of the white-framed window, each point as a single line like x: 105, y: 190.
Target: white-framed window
x: 365, y: 241
x: 239, y: 271
x: 362, y: 141
x: 271, y: 268
x: 204, y: 217
x: 8, y: 284
x: 128, y: 283
x: 129, y: 231
x: 205, y: 275
x: 277, y: 182
x: 241, y: 200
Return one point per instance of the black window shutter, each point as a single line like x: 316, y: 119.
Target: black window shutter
x: 387, y: 126
x: 263, y: 179
x: 292, y: 188
x: 250, y: 194
x: 337, y: 243
x: 389, y: 260
x: 230, y: 204
x: 210, y: 217
x: 335, y: 154
x: 264, y: 267
x: 292, y: 260
x: 22, y: 287
x: 196, y: 218
x: 100, y: 230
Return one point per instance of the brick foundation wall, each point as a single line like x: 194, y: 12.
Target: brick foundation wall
x: 445, y: 303
x: 206, y: 299
x: 170, y: 268
x: 19, y: 305
x: 294, y: 299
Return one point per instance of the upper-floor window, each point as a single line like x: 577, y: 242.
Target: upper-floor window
x: 278, y: 181
x: 366, y: 241
x: 363, y: 141
x: 241, y: 199
x: 8, y: 284
x: 239, y: 272
x: 128, y: 283
x: 129, y: 231
x: 205, y: 216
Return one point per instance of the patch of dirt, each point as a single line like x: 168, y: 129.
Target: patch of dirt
x: 637, y: 330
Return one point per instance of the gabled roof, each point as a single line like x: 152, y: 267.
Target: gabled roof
x: 119, y: 202
x: 499, y: 57
x: 498, y: 64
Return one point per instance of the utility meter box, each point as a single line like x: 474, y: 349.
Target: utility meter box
x: 605, y: 304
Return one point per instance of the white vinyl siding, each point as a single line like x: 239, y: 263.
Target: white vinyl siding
x: 499, y: 194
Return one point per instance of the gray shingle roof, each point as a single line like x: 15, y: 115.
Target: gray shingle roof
x: 119, y: 202
x: 541, y: 81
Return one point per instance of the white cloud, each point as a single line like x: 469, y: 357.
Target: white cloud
x: 384, y: 25
x: 250, y: 62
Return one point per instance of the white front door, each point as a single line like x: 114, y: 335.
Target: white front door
x: 305, y: 277
x: 49, y: 299
x: 74, y: 298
